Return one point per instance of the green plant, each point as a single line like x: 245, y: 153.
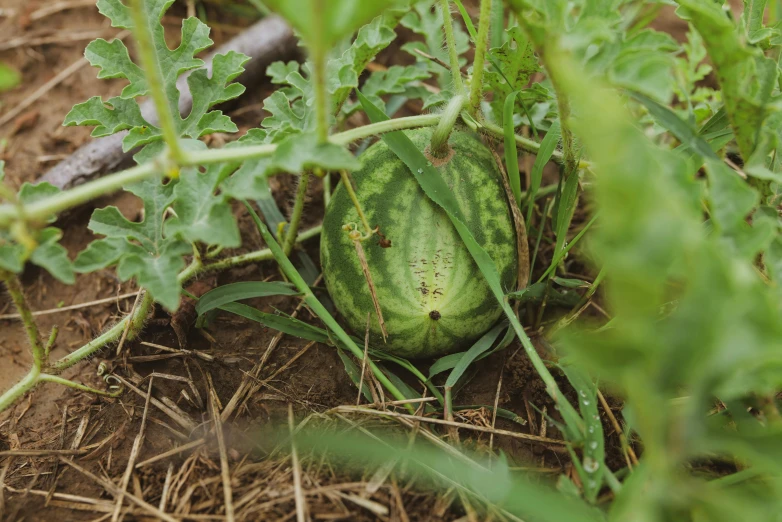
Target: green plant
x: 666, y: 190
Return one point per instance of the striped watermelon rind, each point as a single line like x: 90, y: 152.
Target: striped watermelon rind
x: 433, y: 296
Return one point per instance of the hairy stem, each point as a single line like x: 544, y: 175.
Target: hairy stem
x: 476, y: 86
x: 439, y: 143
x: 298, y: 210
x: 50, y: 343
x: 152, y: 69
x: 109, y: 336
x: 14, y: 393
x: 315, y: 305
x: 34, y: 338
x: 497, y: 23
x: 47, y: 207
x: 318, y: 56
x: 45, y: 377
x: 458, y: 85
x: 254, y: 257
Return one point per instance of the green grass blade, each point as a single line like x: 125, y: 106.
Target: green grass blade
x: 561, y: 255
x: 354, y: 372
x: 438, y: 191
x: 481, y: 345
x: 675, y: 125
x: 547, y: 148
x: 564, y: 208
x: 467, y: 20
x: 410, y: 367
x: 238, y: 291
x: 406, y: 390
x: 593, y: 465
x: 281, y: 323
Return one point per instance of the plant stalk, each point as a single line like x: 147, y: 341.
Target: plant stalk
x: 153, y: 73
x: 108, y: 337
x: 255, y: 257
x: 439, y: 143
x: 33, y: 336
x: 47, y: 207
x: 458, y: 85
x: 46, y: 377
x: 13, y: 394
x: 298, y: 210
x: 476, y: 85
x: 497, y: 23
x: 318, y: 55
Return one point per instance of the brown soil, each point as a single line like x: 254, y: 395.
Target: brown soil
x: 51, y: 416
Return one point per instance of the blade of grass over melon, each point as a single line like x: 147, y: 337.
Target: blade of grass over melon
x: 293, y: 275
x: 281, y: 323
x: 438, y: 191
x: 511, y: 153
x: 238, y: 291
x: 547, y: 148
x: 675, y: 125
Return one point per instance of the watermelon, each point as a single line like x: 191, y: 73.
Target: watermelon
x: 433, y: 296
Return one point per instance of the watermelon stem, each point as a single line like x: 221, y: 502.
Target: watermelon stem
x: 298, y: 210
x: 320, y: 90
x: 154, y: 75
x: 481, y: 45
x: 56, y: 203
x: 450, y: 40
x: 17, y: 296
x: 439, y: 144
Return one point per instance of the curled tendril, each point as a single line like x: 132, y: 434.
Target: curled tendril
x: 112, y: 381
x: 355, y: 235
